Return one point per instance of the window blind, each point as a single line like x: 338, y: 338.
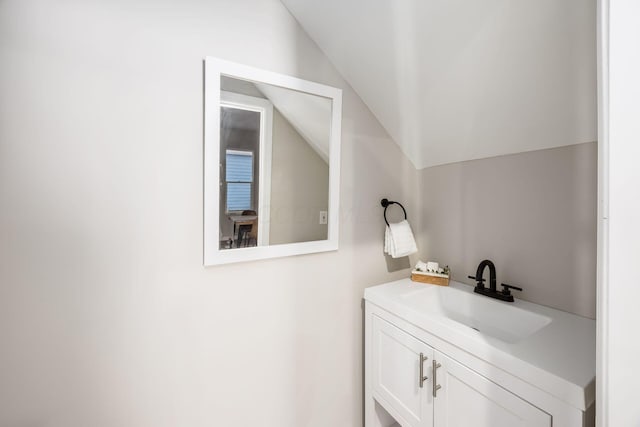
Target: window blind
x: 239, y: 177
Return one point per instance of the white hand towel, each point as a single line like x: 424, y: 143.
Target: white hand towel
x: 398, y: 240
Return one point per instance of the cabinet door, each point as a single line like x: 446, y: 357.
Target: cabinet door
x: 468, y: 399
x: 396, y: 367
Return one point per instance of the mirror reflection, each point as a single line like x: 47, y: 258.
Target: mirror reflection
x: 274, y: 165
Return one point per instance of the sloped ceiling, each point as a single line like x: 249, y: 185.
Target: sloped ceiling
x: 455, y: 80
x: 309, y: 115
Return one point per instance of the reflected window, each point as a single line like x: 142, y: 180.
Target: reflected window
x: 239, y: 180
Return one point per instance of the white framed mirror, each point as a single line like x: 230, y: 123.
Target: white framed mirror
x: 271, y: 164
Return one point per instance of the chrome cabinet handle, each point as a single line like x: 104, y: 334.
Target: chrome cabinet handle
x: 436, y: 386
x: 423, y: 377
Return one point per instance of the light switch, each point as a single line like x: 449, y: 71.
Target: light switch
x: 323, y: 217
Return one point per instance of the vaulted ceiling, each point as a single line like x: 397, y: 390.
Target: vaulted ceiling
x: 455, y: 80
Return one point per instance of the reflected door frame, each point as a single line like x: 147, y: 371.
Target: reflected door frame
x: 265, y: 108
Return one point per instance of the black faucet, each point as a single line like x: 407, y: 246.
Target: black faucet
x: 492, y: 292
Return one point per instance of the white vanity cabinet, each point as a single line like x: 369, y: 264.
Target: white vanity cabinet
x: 420, y: 374
x: 420, y: 386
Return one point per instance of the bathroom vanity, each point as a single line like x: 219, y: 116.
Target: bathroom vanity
x: 439, y: 356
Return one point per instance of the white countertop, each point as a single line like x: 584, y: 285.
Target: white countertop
x: 560, y: 358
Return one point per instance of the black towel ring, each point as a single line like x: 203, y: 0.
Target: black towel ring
x: 386, y: 202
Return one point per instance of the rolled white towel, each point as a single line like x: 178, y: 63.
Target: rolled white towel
x: 399, y: 241
x: 433, y: 266
x: 421, y: 266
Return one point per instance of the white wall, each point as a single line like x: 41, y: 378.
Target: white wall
x: 618, y: 314
x: 299, y: 187
x: 533, y: 214
x: 107, y: 317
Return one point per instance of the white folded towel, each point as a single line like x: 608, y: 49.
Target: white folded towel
x: 398, y: 240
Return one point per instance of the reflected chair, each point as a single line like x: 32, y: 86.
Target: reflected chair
x: 248, y: 230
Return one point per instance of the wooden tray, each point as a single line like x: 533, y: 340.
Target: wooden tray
x: 431, y: 279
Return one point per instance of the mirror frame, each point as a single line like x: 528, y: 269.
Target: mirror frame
x: 214, y: 69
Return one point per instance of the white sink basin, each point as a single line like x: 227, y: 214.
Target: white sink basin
x: 488, y: 316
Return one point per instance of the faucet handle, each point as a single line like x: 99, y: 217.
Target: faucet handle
x: 506, y: 291
x: 480, y: 282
